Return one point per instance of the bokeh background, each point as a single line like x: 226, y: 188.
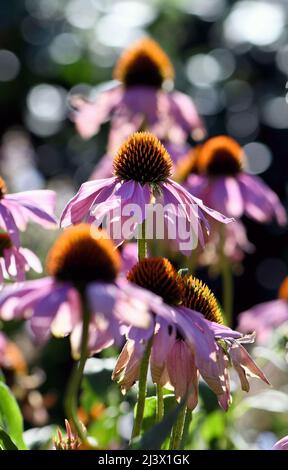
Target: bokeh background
x: 232, y: 58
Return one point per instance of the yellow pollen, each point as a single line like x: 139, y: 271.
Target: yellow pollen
x: 198, y: 297
x: 142, y: 158
x: 220, y: 155
x: 159, y: 276
x: 83, y: 254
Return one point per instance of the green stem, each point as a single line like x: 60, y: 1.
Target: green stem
x: 187, y: 423
x: 142, y: 390
x: 160, y: 403
x: 227, y: 280
x: 142, y: 243
x: 177, y: 431
x: 71, y: 399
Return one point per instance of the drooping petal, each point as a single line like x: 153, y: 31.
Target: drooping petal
x: 182, y: 372
x: 227, y: 197
x: 45, y: 310
x: 261, y: 203
x: 163, y: 341
x: 244, y: 365
x: 88, y: 117
x: 126, y: 371
x: 7, y: 222
x: 39, y: 205
x: 77, y: 209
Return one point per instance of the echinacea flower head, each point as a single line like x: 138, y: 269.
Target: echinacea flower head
x: 188, y: 341
x: 140, y: 101
x: 18, y: 208
x: 219, y: 179
x: 145, y: 63
x: 16, y: 261
x: 83, y: 267
x: 282, y: 444
x: 142, y: 176
x: 264, y: 318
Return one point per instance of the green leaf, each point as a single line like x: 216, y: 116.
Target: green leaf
x: 5, y: 441
x: 154, y: 438
x: 11, y: 420
x: 149, y: 413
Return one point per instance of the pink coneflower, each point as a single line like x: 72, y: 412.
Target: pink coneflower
x: 16, y: 209
x: 142, y: 169
x: 220, y: 181
x: 282, y: 444
x: 192, y: 342
x: 140, y: 101
x: 83, y: 273
x: 265, y: 317
x: 15, y: 262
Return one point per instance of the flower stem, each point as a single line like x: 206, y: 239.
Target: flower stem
x: 227, y: 280
x: 177, y: 431
x: 160, y: 403
x: 188, y: 420
x: 71, y: 399
x: 142, y: 243
x: 142, y: 390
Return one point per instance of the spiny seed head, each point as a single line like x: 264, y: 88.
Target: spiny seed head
x: 220, y: 155
x: 83, y: 254
x: 142, y: 158
x: 283, y: 291
x: 3, y: 187
x: 159, y: 276
x: 5, y: 242
x: 197, y: 296
x: 145, y: 63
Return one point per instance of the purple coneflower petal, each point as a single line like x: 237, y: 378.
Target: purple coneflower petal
x: 261, y: 203
x: 282, y: 444
x: 227, y: 197
x: 78, y: 207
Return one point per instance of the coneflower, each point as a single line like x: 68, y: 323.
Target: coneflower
x: 143, y: 170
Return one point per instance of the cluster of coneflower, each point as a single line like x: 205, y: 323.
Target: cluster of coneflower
x: 171, y: 321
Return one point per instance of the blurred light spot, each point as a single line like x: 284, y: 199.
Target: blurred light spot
x: 271, y: 272
x: 47, y: 102
x: 81, y: 13
x: 258, y: 158
x: 242, y: 125
x: 134, y: 14
x: 9, y: 66
x: 101, y: 54
x: 275, y: 113
x: 208, y: 10
x: 207, y: 101
x: 41, y: 127
x: 203, y: 70
x: 282, y: 59
x: 226, y: 61
x: 65, y: 49
x: 238, y: 95
x: 42, y: 9
x: 257, y: 22
x: 46, y: 109
x: 113, y: 32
